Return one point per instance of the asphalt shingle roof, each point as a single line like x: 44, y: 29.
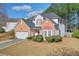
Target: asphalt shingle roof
x: 30, y: 23
x: 50, y: 15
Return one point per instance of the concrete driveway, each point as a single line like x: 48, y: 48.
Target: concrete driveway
x: 8, y: 43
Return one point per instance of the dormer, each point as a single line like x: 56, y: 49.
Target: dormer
x: 38, y: 20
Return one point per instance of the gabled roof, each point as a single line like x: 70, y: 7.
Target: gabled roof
x: 50, y: 15
x: 22, y: 26
x: 30, y: 23
x: 55, y: 24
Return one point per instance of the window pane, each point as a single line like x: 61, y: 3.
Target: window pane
x: 38, y: 22
x: 45, y: 33
x: 49, y: 33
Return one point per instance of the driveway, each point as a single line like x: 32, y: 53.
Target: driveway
x: 8, y: 43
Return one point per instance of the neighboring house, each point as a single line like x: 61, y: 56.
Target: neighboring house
x: 10, y: 24
x: 42, y: 24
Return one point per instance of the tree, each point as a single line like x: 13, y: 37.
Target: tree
x: 66, y: 11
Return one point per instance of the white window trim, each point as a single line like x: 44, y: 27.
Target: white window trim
x: 47, y: 32
x: 36, y: 22
x: 36, y: 19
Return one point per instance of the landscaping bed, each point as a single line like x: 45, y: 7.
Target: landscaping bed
x: 50, y: 39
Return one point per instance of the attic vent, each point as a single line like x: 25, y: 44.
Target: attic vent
x: 47, y: 21
x: 21, y: 28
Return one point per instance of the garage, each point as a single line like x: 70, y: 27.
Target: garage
x: 21, y: 35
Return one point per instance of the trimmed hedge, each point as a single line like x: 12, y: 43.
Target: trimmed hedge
x: 34, y: 38
x: 29, y: 37
x: 75, y: 34
x: 55, y: 38
x: 38, y: 38
x: 50, y: 39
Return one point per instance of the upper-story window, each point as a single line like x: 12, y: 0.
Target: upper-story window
x: 38, y: 22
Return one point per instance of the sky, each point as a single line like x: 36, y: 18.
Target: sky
x: 25, y: 10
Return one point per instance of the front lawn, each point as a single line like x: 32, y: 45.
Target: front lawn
x: 68, y: 46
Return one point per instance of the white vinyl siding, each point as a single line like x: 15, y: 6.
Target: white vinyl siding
x: 55, y: 20
x: 62, y: 29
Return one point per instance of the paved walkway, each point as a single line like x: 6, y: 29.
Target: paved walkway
x: 8, y: 43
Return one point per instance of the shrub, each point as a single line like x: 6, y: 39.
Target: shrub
x: 50, y: 39
x: 29, y: 37
x: 34, y: 38
x: 57, y: 38
x: 75, y: 34
x: 39, y: 38
x: 2, y: 30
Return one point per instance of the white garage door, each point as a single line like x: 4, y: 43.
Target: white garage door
x: 21, y: 35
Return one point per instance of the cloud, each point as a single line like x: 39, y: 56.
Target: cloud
x: 33, y: 13
x: 22, y: 8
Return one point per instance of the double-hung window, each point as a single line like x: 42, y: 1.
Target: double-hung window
x: 38, y: 22
x: 47, y: 33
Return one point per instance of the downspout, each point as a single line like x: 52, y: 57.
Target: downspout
x: 59, y: 27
